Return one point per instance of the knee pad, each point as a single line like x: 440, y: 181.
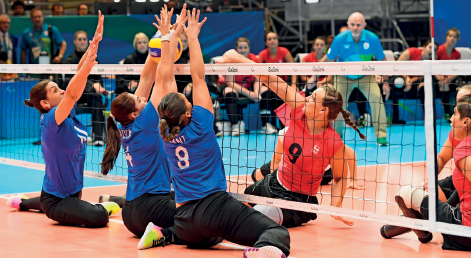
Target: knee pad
x: 273, y: 213
x: 412, y: 196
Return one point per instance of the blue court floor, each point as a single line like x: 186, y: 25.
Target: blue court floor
x: 240, y: 154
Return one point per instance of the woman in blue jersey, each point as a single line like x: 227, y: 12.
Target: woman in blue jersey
x: 206, y: 213
x: 63, y: 146
x: 148, y: 190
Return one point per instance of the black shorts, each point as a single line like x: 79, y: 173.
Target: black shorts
x: 271, y: 188
x: 206, y: 222
x: 73, y: 211
x: 452, y: 215
x: 447, y: 186
x: 156, y: 208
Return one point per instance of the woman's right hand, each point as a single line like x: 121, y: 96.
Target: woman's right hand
x: 164, y: 22
x: 90, y: 61
x: 99, y: 29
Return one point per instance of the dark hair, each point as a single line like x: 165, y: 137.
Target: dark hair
x: 38, y: 93
x: 78, y: 6
x: 121, y: 107
x: 54, y: 5
x: 171, y: 109
x: 463, y: 106
x: 3, y: 56
x: 430, y: 41
x: 334, y: 101
x: 16, y: 3
x: 266, y: 35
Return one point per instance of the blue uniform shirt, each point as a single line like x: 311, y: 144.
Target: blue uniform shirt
x: 143, y: 148
x: 348, y: 50
x: 195, y: 159
x: 63, y: 149
x: 32, y: 38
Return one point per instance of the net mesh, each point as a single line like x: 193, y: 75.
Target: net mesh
x: 249, y: 119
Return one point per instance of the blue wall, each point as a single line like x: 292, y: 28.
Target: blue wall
x: 449, y: 14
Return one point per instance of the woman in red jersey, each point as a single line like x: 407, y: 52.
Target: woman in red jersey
x: 310, y: 145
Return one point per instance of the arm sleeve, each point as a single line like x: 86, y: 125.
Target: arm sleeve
x: 57, y: 37
x: 148, y: 119
x: 202, y: 120
x: 334, y: 49
x: 378, y: 49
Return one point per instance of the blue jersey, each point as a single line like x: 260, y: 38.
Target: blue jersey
x: 195, y: 159
x: 347, y: 50
x: 63, y: 149
x: 143, y: 148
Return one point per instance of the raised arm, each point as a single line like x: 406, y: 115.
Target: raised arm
x: 98, y: 36
x: 169, y: 48
x: 276, y: 84
x: 201, y: 95
x: 77, y: 84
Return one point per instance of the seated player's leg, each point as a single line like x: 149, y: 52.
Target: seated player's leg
x: 452, y: 215
x: 233, y: 111
x: 23, y: 203
x: 120, y: 200
x: 260, y: 173
x: 446, y: 185
x: 202, y: 223
x: 73, y: 211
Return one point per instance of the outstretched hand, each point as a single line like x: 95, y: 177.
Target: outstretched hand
x: 180, y: 23
x: 231, y: 56
x: 99, y: 29
x: 194, y: 27
x: 348, y: 222
x: 90, y: 61
x: 164, y: 22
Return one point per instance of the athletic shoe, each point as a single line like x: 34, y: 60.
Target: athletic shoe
x: 447, y: 117
x: 14, y: 202
x: 235, y: 130
x: 268, y: 129
x: 152, y: 237
x: 382, y: 141
x: 111, y: 207
x: 361, y: 122
x: 22, y: 196
x: 98, y: 143
x: 104, y: 198
x: 120, y: 200
x: 264, y: 252
x: 219, y: 134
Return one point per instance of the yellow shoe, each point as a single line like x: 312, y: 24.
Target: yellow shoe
x: 152, y: 237
x: 111, y: 207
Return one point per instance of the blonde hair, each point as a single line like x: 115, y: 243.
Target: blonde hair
x: 136, y: 38
x: 242, y: 39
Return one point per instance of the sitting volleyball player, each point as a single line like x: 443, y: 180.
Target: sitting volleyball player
x: 273, y: 164
x: 413, y: 201
x: 65, y: 160
x: 148, y: 190
x: 304, y: 161
x: 206, y: 213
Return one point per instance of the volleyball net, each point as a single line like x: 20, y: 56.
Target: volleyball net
x: 412, y: 120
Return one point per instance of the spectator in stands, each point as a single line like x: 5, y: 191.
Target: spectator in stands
x: 37, y: 39
x: 447, y: 83
x: 8, y: 42
x: 82, y: 9
x: 343, y: 28
x: 358, y: 44
x: 245, y: 86
x: 410, y: 86
x: 57, y: 10
x: 92, y: 94
x: 18, y: 8
x: 129, y: 83
x: 316, y: 55
x: 276, y: 54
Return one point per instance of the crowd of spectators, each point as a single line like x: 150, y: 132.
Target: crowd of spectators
x: 43, y: 40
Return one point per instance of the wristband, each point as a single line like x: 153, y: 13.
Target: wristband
x: 168, y: 36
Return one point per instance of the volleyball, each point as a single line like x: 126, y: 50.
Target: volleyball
x: 272, y: 212
x: 399, y: 82
x: 155, y: 48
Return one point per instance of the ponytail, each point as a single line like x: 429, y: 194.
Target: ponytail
x: 113, y: 145
x: 164, y: 128
x: 28, y: 103
x: 346, y: 117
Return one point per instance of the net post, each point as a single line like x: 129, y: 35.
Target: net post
x: 430, y: 146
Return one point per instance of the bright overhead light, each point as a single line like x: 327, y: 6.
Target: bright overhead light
x: 312, y: 1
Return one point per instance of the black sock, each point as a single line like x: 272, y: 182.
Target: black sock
x: 169, y: 236
x: 120, y: 200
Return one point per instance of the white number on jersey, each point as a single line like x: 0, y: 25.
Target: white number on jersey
x: 184, y: 161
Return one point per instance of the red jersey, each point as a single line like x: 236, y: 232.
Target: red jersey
x: 415, y: 54
x: 442, y: 55
x: 461, y: 183
x: 311, y: 58
x: 454, y: 142
x: 253, y: 57
x: 245, y: 81
x: 279, y: 58
x: 305, y: 156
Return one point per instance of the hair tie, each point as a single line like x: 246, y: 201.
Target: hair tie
x: 111, y: 115
x: 164, y: 117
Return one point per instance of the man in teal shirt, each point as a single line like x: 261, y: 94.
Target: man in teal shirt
x: 36, y: 39
x: 356, y: 45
